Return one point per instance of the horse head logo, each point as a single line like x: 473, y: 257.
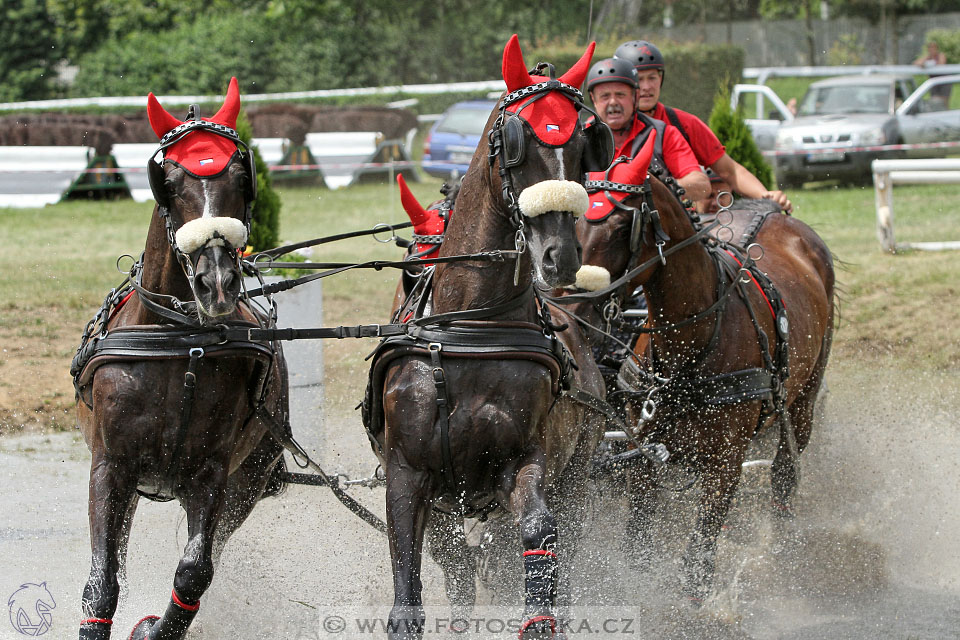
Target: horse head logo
x: 30, y: 607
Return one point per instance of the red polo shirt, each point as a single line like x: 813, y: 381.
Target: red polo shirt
x: 677, y: 155
x: 704, y: 143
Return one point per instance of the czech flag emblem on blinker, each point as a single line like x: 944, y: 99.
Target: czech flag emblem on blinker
x: 552, y: 127
x: 596, y: 203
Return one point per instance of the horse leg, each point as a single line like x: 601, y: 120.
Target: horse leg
x: 538, y: 533
x: 112, y: 503
x: 642, y: 495
x: 785, y: 473
x: 123, y: 543
x: 245, y: 488
x: 719, y: 482
x: 204, y: 504
x: 568, y: 500
x: 408, y: 512
x: 448, y: 546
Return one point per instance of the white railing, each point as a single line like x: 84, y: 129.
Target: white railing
x: 886, y: 173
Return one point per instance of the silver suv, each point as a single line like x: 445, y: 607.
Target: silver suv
x: 842, y: 124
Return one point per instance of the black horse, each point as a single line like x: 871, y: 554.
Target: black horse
x: 169, y: 407
x: 470, y: 411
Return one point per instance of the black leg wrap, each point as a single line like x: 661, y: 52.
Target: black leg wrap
x: 174, y: 623
x: 142, y: 629
x: 95, y: 631
x: 540, y: 575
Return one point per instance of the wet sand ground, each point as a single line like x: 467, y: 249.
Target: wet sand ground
x: 872, y: 553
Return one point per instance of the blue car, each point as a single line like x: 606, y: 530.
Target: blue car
x: 453, y: 138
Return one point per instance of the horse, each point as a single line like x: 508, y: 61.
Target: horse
x: 737, y: 336
x: 468, y: 411
x: 169, y: 407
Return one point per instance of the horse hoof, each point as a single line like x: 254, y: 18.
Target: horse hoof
x: 784, y: 511
x: 141, y: 630
x: 538, y: 628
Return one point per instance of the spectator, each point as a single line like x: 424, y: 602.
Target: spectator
x: 933, y: 57
x: 612, y: 84
x: 939, y: 95
x: 648, y: 61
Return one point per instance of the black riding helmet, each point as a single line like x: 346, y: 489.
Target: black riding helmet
x: 611, y: 70
x: 642, y: 54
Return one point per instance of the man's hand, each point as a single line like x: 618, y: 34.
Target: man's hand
x: 780, y: 198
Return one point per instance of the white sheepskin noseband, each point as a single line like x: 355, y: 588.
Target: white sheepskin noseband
x: 211, y: 231
x: 592, y: 278
x: 554, y: 195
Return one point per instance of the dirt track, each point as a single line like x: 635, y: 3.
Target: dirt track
x: 871, y: 555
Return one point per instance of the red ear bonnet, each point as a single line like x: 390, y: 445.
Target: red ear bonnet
x: 633, y: 172
x: 200, y: 152
x: 553, y: 117
x: 426, y: 222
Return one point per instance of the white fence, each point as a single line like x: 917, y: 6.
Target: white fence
x: 886, y: 173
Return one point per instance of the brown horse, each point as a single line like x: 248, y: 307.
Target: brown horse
x: 470, y: 412
x: 168, y: 408
x: 725, y: 350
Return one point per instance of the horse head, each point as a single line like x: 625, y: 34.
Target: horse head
x: 204, y: 186
x: 621, y: 231
x: 540, y: 150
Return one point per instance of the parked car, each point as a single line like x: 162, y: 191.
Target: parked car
x: 453, y: 138
x: 763, y: 119
x: 840, y: 116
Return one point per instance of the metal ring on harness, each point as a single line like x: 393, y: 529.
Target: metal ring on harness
x: 725, y: 207
x: 758, y: 247
x: 377, y: 228
x: 133, y: 262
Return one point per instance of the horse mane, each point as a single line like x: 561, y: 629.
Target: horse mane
x: 756, y: 205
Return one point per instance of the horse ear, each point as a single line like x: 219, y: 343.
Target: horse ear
x: 416, y: 212
x: 635, y: 171
x: 514, y: 70
x: 578, y: 72
x: 231, y: 106
x: 160, y: 118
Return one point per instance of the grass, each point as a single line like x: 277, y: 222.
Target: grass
x: 59, y: 263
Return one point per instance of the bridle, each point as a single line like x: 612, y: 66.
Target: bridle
x: 506, y: 140
x: 157, y: 176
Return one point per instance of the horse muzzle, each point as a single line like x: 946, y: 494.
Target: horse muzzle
x: 216, y: 278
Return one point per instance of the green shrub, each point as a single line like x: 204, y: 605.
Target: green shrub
x: 265, y: 225
x: 734, y: 133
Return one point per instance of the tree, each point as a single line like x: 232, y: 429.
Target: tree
x: 29, y: 50
x: 730, y: 127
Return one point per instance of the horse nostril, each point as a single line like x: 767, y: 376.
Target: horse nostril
x: 227, y: 279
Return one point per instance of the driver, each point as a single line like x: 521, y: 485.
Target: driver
x: 648, y: 62
x: 612, y: 84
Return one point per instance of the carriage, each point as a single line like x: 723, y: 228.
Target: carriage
x: 483, y: 393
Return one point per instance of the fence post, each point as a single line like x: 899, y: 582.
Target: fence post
x: 883, y: 196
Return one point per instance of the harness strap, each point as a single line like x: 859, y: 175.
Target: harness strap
x: 443, y: 415
x: 186, y: 408
x: 675, y: 121
x: 630, y: 275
